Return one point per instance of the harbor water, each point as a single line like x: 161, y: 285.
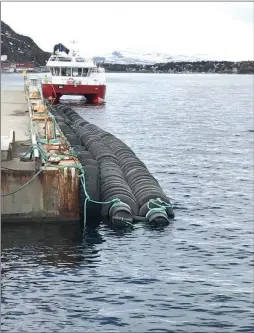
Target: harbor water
x: 195, y: 134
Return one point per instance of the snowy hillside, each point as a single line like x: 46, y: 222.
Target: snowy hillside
x: 147, y: 58
x: 20, y: 48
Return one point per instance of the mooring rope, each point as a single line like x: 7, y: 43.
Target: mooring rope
x: 78, y: 166
x: 161, y: 206
x: 26, y: 184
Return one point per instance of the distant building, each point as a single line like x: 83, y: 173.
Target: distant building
x: 24, y: 66
x: 7, y: 67
x: 17, y: 67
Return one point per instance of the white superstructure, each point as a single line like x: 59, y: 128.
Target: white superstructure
x: 65, y: 68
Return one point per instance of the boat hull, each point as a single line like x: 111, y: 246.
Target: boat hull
x: 95, y: 94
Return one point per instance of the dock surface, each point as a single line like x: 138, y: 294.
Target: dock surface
x: 31, y: 189
x: 14, y: 114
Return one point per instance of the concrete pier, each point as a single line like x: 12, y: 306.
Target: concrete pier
x: 14, y: 114
x: 53, y: 194
x: 58, y: 167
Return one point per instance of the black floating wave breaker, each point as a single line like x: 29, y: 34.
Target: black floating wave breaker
x: 113, y: 171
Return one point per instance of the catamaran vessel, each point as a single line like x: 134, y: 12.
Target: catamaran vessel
x: 71, y: 74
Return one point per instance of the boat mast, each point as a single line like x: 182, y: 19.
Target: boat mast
x: 74, y: 50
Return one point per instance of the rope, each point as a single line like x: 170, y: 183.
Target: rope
x: 78, y: 166
x: 137, y: 218
x: 44, y: 141
x: 161, y: 206
x: 83, y: 182
x: 114, y: 202
x: 26, y: 184
x: 30, y: 151
x: 127, y: 223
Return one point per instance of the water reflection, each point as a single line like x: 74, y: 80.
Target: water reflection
x: 50, y: 244
x: 79, y: 103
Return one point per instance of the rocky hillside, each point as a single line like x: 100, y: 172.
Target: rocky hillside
x: 226, y: 67
x: 19, y: 48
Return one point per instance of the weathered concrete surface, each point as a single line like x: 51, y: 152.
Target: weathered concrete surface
x: 51, y: 196
x: 14, y: 115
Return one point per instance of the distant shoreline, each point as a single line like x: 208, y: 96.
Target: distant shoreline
x: 197, y: 67
x: 138, y: 72
x: 177, y: 73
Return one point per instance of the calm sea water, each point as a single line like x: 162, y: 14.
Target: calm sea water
x: 195, y: 133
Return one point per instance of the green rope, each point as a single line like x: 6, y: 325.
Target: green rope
x: 44, y: 141
x: 45, y: 155
x: 161, y: 206
x: 114, y: 202
x: 78, y: 166
x: 30, y: 151
x: 83, y: 182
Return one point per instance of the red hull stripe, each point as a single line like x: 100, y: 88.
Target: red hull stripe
x: 51, y: 90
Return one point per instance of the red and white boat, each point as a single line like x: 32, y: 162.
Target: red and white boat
x: 73, y: 75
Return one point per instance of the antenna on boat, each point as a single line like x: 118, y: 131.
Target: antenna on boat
x: 74, y: 49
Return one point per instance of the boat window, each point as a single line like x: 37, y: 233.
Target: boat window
x: 80, y: 59
x: 94, y: 70
x: 63, y: 59
x: 55, y: 71
x: 66, y: 71
x: 75, y: 71
x: 85, y: 71
x: 79, y: 71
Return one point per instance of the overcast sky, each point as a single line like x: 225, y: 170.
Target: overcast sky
x: 223, y: 30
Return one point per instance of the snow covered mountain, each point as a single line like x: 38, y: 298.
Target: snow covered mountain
x: 128, y: 56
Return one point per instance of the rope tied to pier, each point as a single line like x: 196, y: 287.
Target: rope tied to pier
x: 78, y: 166
x: 45, y: 155
x: 158, y: 206
x: 115, y: 201
x: 26, y: 184
x: 44, y: 141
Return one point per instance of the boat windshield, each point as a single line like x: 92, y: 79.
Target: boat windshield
x: 68, y: 71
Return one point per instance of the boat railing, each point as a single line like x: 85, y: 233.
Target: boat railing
x: 74, y: 80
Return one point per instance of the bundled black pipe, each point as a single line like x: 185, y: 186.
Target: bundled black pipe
x: 122, y: 172
x: 90, y: 166
x: 113, y: 182
x: 144, y: 186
